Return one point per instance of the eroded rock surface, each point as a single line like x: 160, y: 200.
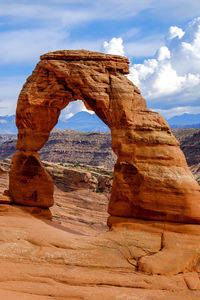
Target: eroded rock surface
x: 151, y: 177
x: 67, y: 252
x: 29, y: 181
x: 68, y: 176
x: 75, y: 147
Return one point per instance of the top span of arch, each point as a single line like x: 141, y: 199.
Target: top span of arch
x: 112, y: 62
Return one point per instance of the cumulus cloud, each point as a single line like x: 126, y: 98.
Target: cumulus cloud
x: 37, y: 26
x: 144, y: 46
x: 172, y: 78
x: 50, y: 22
x: 174, y: 32
x: 114, y: 46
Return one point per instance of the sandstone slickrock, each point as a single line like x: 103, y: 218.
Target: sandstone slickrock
x: 67, y: 253
x: 151, y: 177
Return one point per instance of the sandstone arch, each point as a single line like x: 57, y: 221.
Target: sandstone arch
x: 151, y: 177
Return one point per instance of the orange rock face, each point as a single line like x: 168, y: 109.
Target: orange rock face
x: 66, y: 252
x: 151, y: 178
x: 29, y: 181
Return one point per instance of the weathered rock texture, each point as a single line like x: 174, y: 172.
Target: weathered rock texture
x: 73, y: 177
x: 67, y: 253
x: 70, y: 146
x: 151, y: 178
x: 94, y: 149
x: 32, y: 184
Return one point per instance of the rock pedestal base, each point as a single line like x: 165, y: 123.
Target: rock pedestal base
x: 30, y: 184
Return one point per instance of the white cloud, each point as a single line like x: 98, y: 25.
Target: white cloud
x: 171, y: 10
x: 172, y: 77
x: 42, y: 14
x: 3, y: 121
x: 144, y: 46
x: 45, y: 26
x: 73, y: 12
x: 165, y: 81
x: 9, y: 90
x: 26, y: 45
x: 50, y: 21
x: 163, y: 53
x: 175, y: 31
x: 177, y: 111
x: 72, y: 109
x: 175, y: 10
x: 114, y: 46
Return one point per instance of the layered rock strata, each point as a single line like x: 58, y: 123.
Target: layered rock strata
x: 151, y: 176
x: 75, y: 177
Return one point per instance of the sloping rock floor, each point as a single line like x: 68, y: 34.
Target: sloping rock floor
x: 68, y: 252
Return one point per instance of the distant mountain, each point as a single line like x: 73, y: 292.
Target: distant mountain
x: 83, y: 121
x: 185, y: 121
x: 7, y: 125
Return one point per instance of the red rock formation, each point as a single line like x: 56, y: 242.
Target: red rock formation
x: 29, y: 181
x: 151, y: 178
x: 67, y: 253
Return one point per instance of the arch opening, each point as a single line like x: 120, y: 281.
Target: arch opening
x: 79, y: 117
x: 151, y: 176
x: 79, y: 155
x: 82, y: 139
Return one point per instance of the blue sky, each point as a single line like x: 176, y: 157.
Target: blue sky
x: 161, y: 39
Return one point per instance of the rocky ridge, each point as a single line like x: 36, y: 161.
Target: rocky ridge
x: 75, y: 147
x: 74, y: 176
x: 68, y: 176
x: 190, y: 145
x: 69, y: 146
